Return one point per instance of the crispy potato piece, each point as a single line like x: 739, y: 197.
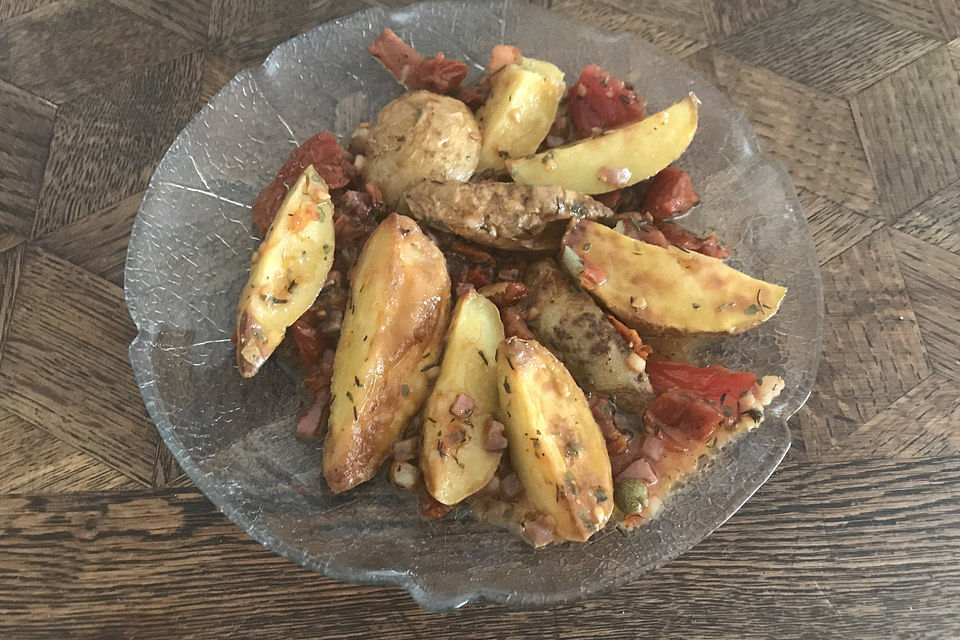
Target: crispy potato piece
x: 421, y: 136
x: 391, y: 340
x: 453, y: 458
x: 617, y: 158
x: 505, y: 215
x: 660, y: 289
x: 519, y: 111
x: 288, y: 271
x: 556, y: 446
x: 568, y: 322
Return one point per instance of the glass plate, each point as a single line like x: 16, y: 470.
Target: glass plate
x: 190, y: 250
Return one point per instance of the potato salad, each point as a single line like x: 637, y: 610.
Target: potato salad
x: 491, y: 300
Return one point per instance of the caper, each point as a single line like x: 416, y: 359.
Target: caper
x: 630, y: 496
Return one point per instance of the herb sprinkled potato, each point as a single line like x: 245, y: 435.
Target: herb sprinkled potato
x: 388, y: 350
x: 421, y: 136
x: 556, y: 446
x: 288, y: 271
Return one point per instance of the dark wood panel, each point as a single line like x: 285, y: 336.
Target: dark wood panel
x: 834, y: 227
x: 65, y: 366
x: 24, y: 141
x: 34, y: 461
x: 936, y: 220
x: 167, y: 564
x: 812, y: 133
x: 909, y: 127
x: 832, y: 46
x: 106, y: 144
x: 932, y: 276
x: 872, y: 352
x: 67, y: 47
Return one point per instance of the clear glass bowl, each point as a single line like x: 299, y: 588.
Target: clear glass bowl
x: 190, y: 250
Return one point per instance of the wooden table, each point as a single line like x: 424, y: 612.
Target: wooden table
x: 856, y: 535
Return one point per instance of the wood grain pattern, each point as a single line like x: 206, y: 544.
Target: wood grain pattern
x: 921, y: 424
x: 131, y: 551
x: 34, y: 461
x: 932, y: 276
x: 936, y: 18
x: 71, y: 46
x: 102, y: 535
x: 247, y: 30
x: 10, y: 260
x: 835, y: 47
x: 24, y: 141
x: 612, y: 18
x: 65, y: 367
x: 936, y: 220
x: 127, y: 128
x: 812, y: 133
x: 834, y: 227
x: 98, y: 242
x: 872, y: 351
x: 188, y: 18
x: 908, y: 123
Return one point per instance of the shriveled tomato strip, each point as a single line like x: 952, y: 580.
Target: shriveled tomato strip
x: 714, y: 383
x: 327, y: 157
x: 681, y: 419
x: 412, y: 70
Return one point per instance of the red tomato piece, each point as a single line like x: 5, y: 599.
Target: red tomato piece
x: 681, y: 419
x: 600, y: 101
x: 670, y: 194
x: 708, y: 246
x: 715, y: 383
x: 327, y: 157
x: 309, y: 341
x: 412, y: 70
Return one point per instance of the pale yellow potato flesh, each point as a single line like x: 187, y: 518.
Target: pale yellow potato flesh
x: 658, y: 289
x: 555, y: 445
x: 642, y: 149
x: 288, y: 271
x: 389, y: 347
x: 453, y: 459
x: 519, y: 111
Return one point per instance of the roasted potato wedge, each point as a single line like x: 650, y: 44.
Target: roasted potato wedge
x: 617, y: 158
x: 556, y: 447
x: 288, y: 271
x: 658, y: 289
x: 453, y: 458
x: 391, y: 339
x: 568, y: 322
x: 505, y: 215
x: 519, y: 111
x: 421, y: 136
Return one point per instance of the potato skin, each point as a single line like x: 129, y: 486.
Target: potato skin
x: 289, y: 269
x: 642, y: 148
x: 390, y: 342
x: 421, y: 136
x: 504, y: 215
x: 453, y: 459
x: 556, y: 447
x: 669, y: 290
x: 576, y: 330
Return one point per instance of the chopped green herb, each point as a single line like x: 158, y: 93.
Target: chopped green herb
x: 429, y: 366
x: 600, y: 495
x: 355, y: 416
x: 483, y: 357
x: 404, y: 389
x: 696, y: 306
x: 752, y: 309
x: 350, y: 396
x: 573, y: 449
x: 755, y: 414
x: 506, y: 385
x: 357, y: 382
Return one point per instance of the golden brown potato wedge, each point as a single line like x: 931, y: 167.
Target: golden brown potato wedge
x: 453, y: 458
x: 556, y: 447
x: 421, y: 136
x: 569, y: 323
x: 505, y: 215
x: 391, y: 339
x: 617, y: 158
x: 519, y: 111
x: 288, y: 271
x: 660, y: 289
